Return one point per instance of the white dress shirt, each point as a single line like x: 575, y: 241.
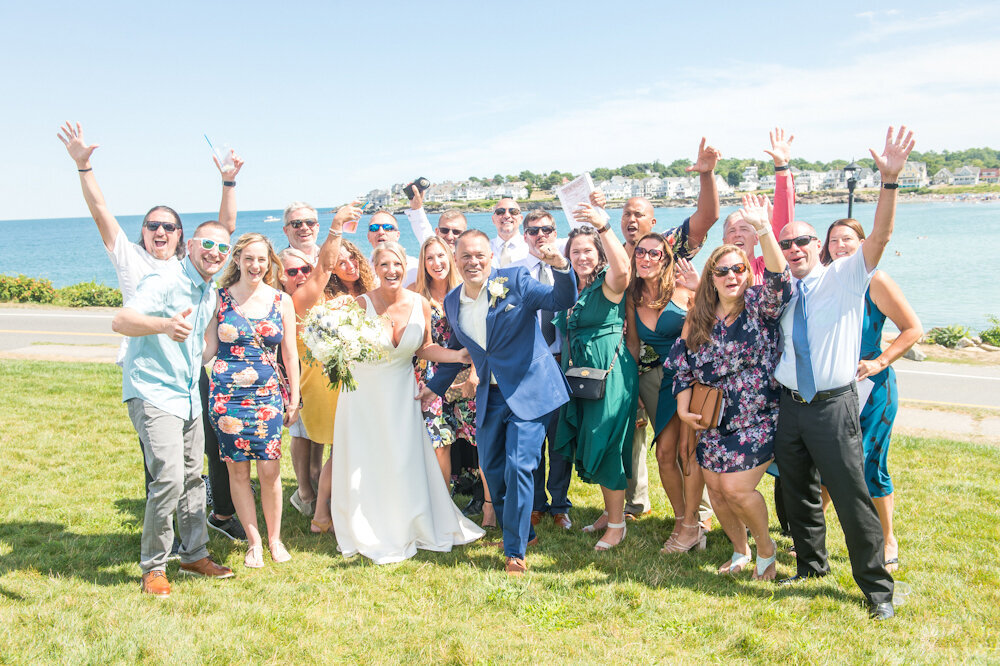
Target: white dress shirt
x: 472, y: 317
x: 516, y: 246
x: 835, y: 308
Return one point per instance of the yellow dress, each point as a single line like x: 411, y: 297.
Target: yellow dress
x: 319, y: 401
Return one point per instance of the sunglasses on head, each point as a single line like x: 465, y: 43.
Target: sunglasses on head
x: 297, y: 224
x: 305, y: 270
x: 445, y: 231
x: 513, y: 211
x: 208, y: 244
x: 801, y: 241
x: 737, y: 269
x: 167, y: 226
x: 544, y: 230
x: 388, y: 226
x: 653, y: 253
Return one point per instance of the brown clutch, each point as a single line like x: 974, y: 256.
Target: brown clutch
x: 705, y: 401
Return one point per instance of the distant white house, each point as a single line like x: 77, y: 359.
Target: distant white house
x: 379, y: 197
x: 942, y: 177
x: 835, y: 179
x: 989, y: 175
x: 914, y: 174
x: 868, y: 178
x: 967, y: 175
x: 807, y: 181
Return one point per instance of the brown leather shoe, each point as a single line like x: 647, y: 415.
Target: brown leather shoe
x: 637, y: 516
x: 515, y: 566
x: 155, y: 583
x: 206, y: 567
x: 536, y: 517
x: 562, y: 520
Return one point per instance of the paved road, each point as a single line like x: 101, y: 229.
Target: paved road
x: 86, y: 334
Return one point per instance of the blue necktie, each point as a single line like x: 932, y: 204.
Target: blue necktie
x: 800, y: 341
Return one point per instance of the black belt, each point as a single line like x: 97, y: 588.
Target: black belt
x: 820, y: 395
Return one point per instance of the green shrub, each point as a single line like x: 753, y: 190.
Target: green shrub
x: 23, y: 289
x: 947, y: 336
x: 90, y: 293
x: 991, y: 335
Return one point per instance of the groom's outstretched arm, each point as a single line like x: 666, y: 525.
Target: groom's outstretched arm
x: 561, y: 295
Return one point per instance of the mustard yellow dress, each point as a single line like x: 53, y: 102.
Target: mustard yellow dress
x: 319, y: 401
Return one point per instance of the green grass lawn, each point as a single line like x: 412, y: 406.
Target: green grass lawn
x: 70, y: 522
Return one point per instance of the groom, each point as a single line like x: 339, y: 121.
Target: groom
x: 494, y: 315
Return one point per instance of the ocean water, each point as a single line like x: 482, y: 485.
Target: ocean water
x: 943, y: 255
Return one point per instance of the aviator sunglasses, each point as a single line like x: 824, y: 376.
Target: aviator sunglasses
x: 167, y: 226
x: 545, y: 230
x: 297, y: 224
x: 801, y: 241
x: 722, y: 271
x: 513, y: 211
x: 653, y: 253
x: 208, y: 244
x: 292, y: 272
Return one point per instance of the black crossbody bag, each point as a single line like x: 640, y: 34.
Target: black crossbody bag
x: 588, y: 383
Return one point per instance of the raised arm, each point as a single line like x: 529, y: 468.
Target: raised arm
x: 757, y: 212
x: 227, y: 209
x: 80, y: 152
x: 888, y: 297
x: 784, y: 184
x: 417, y: 216
x: 309, y: 293
x: 890, y: 163
x: 707, y: 212
x: 618, y: 262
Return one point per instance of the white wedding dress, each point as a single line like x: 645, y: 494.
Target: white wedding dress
x: 389, y: 497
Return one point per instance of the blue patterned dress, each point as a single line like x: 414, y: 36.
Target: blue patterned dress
x: 880, y: 411
x: 739, y: 359
x: 246, y: 408
x: 661, y: 340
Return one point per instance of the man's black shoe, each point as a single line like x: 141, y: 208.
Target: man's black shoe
x: 798, y: 578
x: 882, y: 611
x: 473, y: 508
x: 230, y: 527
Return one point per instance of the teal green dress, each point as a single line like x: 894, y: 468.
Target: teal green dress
x: 668, y: 328
x: 597, y: 434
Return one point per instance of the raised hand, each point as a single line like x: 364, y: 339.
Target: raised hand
x: 781, y: 148
x: 586, y: 213
x: 237, y: 165
x: 177, y: 328
x: 350, y: 212
x: 755, y: 211
x: 893, y: 157
x: 685, y: 275
x: 550, y: 255
x: 598, y: 199
x: 417, y: 202
x: 708, y: 157
x: 76, y: 146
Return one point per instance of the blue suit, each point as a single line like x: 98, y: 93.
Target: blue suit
x: 512, y: 414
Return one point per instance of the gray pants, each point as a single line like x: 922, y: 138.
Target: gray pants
x: 637, y: 492
x: 172, y: 450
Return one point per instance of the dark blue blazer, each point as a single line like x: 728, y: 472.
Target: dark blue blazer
x: 527, y: 375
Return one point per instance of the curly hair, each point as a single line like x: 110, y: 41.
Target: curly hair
x: 665, y: 287
x: 366, y: 278
x: 231, y: 274
x: 701, y: 318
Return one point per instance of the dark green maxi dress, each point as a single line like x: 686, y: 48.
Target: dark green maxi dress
x: 597, y: 434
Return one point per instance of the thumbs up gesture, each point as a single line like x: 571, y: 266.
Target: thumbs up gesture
x: 177, y: 327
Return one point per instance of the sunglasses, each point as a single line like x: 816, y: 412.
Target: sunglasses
x: 387, y: 226
x: 801, y: 241
x: 208, y: 244
x: 445, y: 231
x: 167, y: 226
x: 297, y: 224
x: 653, y: 253
x: 545, y: 231
x: 292, y: 272
x: 513, y: 211
x: 722, y: 271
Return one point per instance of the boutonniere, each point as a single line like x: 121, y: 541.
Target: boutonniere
x: 496, y: 290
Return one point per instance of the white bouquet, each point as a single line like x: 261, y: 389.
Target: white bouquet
x: 338, y: 333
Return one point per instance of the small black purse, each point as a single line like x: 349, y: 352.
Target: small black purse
x: 588, y: 383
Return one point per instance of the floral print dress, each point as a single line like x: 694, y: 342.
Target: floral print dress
x: 245, y: 404
x: 452, y: 417
x: 739, y: 359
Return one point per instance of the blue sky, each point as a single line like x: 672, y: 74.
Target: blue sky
x: 328, y: 100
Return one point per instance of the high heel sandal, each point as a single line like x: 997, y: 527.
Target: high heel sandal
x: 603, y: 545
x: 492, y: 523
x: 736, y: 563
x: 593, y: 528
x: 765, y: 563
x: 279, y: 553
x: 675, y: 545
x: 321, y: 526
x: 255, y: 557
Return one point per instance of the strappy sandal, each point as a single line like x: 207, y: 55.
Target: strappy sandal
x: 603, y: 545
x: 736, y: 564
x: 493, y: 523
x: 674, y: 545
x: 593, y: 528
x: 255, y: 557
x: 279, y: 553
x: 319, y: 527
x: 765, y: 564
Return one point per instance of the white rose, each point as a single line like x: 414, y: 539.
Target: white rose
x: 496, y: 289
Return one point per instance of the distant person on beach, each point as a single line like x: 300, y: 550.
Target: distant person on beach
x: 166, y: 319
x: 883, y: 299
x: 638, y: 220
x: 818, y: 427
x: 301, y: 228
x: 451, y: 223
x: 508, y: 246
x: 160, y: 247
x: 382, y: 228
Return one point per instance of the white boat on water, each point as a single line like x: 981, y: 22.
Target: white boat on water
x: 272, y: 218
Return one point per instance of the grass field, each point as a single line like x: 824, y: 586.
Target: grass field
x: 70, y: 521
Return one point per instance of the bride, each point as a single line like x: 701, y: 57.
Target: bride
x: 389, y: 498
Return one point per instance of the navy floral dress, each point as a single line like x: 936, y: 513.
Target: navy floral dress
x: 246, y: 408
x: 739, y: 359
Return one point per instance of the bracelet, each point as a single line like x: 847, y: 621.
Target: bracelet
x: 763, y: 232
x: 229, y: 183
x: 890, y: 186
x: 604, y: 228
x: 335, y: 234
x: 782, y: 168
x: 85, y: 170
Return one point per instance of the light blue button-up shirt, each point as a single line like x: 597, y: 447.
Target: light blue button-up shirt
x: 157, y: 369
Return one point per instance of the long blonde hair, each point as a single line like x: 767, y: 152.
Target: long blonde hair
x: 701, y: 318
x: 423, y: 284
x: 665, y: 288
x: 231, y: 275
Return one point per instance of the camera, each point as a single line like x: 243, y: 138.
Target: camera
x: 421, y: 183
